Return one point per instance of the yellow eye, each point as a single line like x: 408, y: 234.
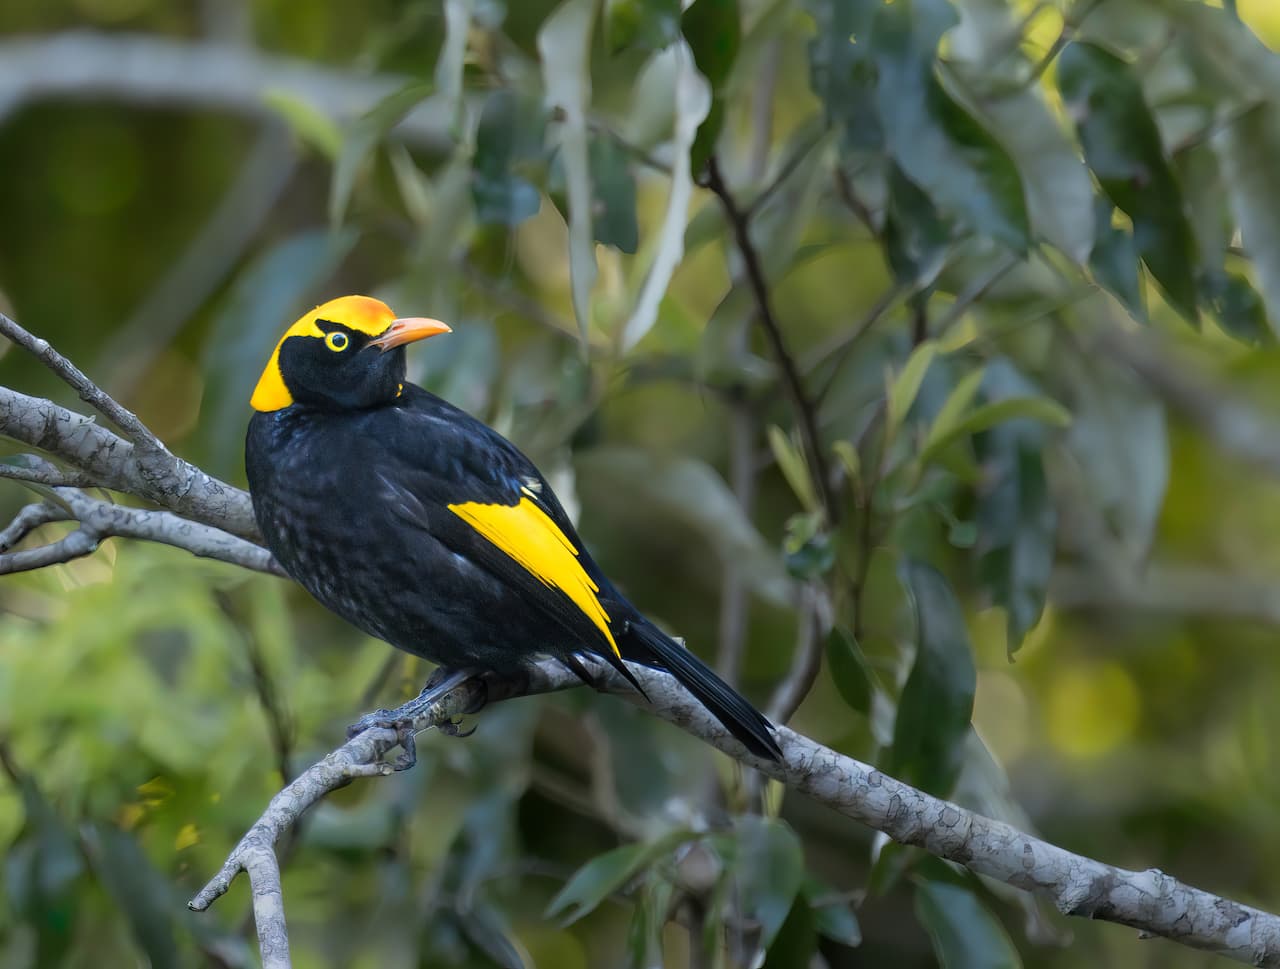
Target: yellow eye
x: 337, y: 341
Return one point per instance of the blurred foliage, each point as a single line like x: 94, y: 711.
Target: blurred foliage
x: 948, y: 198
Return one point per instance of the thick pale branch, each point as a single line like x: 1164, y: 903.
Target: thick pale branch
x: 1150, y: 901
x: 112, y: 462
x: 229, y: 77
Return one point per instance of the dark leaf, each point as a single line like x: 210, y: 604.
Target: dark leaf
x: 938, y: 145
x: 769, y: 870
x: 1237, y: 307
x: 613, y: 190
x: 937, y: 700
x: 487, y: 930
x: 141, y: 892
x: 508, y: 139
x: 1016, y: 516
x: 607, y: 873
x: 849, y: 670
x: 964, y: 934
x: 41, y: 870
x: 796, y: 941
x: 713, y: 30
x: 1122, y: 146
x: 916, y: 236
x: 842, y: 71
x: 1114, y: 260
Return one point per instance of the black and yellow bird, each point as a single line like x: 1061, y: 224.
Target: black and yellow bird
x: 422, y: 526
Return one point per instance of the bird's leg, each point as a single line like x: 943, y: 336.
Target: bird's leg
x: 402, y: 718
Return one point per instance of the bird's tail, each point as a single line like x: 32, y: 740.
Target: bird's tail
x: 739, y: 717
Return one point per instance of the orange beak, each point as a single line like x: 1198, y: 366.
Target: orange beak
x: 409, y: 329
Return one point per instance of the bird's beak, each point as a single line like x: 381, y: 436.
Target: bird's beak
x: 409, y: 329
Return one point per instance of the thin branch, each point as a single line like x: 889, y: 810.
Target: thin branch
x: 806, y: 414
x: 115, y: 463
x: 49, y: 477
x: 99, y: 520
x: 30, y: 518
x: 806, y: 660
x: 1225, y: 418
x: 1150, y: 901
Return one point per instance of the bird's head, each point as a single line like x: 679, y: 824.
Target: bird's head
x: 346, y: 354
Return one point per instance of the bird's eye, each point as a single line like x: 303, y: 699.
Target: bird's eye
x: 337, y: 341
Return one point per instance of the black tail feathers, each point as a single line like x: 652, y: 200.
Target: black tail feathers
x: 739, y: 717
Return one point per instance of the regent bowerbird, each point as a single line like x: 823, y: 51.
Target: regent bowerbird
x: 424, y: 527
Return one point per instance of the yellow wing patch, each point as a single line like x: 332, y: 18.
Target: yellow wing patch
x: 528, y: 535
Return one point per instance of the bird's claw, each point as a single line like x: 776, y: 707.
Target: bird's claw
x: 453, y: 728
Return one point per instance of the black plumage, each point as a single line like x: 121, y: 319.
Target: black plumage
x: 422, y: 526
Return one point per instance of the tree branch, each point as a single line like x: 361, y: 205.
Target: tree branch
x: 805, y: 411
x: 225, y: 76
x: 1150, y: 901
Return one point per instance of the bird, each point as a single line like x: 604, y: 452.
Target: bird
x: 422, y: 526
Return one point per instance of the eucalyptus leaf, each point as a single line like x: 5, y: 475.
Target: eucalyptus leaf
x: 964, y: 934
x: 937, y: 699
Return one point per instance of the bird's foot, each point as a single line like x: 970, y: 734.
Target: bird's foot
x: 403, y: 717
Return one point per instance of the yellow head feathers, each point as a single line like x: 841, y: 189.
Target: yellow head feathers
x: 364, y: 314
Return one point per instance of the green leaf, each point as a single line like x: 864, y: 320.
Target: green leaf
x: 1122, y: 146
x: 769, y: 871
x: 988, y: 415
x: 1237, y: 307
x: 953, y: 409
x: 311, y: 125
x: 692, y: 102
x: 794, y: 468
x: 797, y: 939
x: 607, y: 873
x: 644, y: 936
x: 937, y: 699
x: 713, y: 31
x: 1248, y: 148
x: 842, y: 71
x: 140, y: 891
x: 1017, y: 520
x: 1114, y: 261
x: 932, y: 138
x: 614, y: 196
x: 906, y: 386
x: 647, y: 24
x: 916, y: 236
x: 508, y: 137
x: 833, y: 918
x: 359, y: 142
x: 964, y: 934
x: 849, y: 670
x: 564, y: 47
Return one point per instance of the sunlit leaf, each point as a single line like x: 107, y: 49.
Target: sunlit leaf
x: 650, y: 24
x: 988, y: 415
x: 312, y: 127
x: 794, y: 468
x: 906, y: 385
